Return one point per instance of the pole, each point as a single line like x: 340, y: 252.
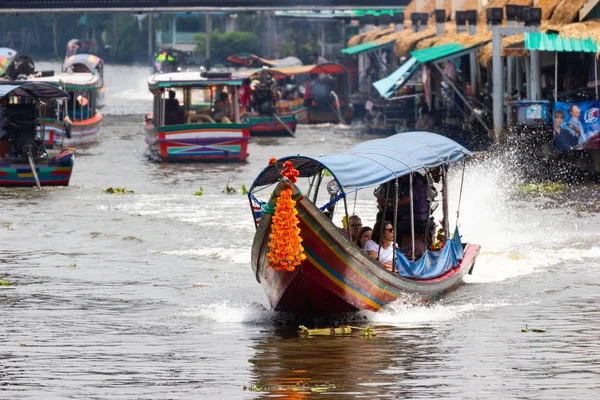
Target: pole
x: 519, y: 74
x: 150, y: 34
x: 114, y: 34
x: 33, y: 170
x: 556, y: 78
x: 207, y: 39
x: 498, y: 82
x: 395, y: 224
x: 596, y: 74
x: 412, y: 218
x: 536, y: 70
x: 528, y: 77
x: 287, y: 128
x: 54, y: 35
x: 445, y: 204
x: 236, y: 105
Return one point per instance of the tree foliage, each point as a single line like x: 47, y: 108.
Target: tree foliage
x: 222, y: 45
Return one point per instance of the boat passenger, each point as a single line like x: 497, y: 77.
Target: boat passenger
x: 222, y: 112
x: 420, y: 207
x: 355, y: 225
x: 316, y: 59
x: 384, y: 252
x: 173, y: 112
x: 364, y: 236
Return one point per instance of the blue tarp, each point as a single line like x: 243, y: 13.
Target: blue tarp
x: 388, y: 85
x: 433, y: 263
x: 375, y: 161
x: 33, y: 90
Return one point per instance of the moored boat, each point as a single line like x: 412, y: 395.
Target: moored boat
x: 330, y: 274
x: 192, y: 118
x: 80, y: 111
x: 24, y: 160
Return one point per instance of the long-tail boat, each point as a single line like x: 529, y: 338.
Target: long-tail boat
x: 24, y: 160
x: 79, y: 111
x: 323, y: 272
x: 87, y: 63
x: 186, y: 124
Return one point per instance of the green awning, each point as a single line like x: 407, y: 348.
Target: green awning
x: 388, y: 85
x: 554, y: 42
x: 367, y: 47
x: 442, y: 53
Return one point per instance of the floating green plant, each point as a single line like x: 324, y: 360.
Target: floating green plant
x: 5, y: 283
x: 541, y: 188
x: 117, y: 190
x: 526, y: 330
x: 199, y: 192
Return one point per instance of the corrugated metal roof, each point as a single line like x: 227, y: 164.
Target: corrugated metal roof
x: 366, y: 47
x: 437, y: 52
x: 553, y: 42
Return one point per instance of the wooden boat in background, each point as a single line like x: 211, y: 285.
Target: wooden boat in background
x: 190, y: 133
x: 24, y: 160
x: 337, y: 276
x: 81, y: 108
x: 91, y: 64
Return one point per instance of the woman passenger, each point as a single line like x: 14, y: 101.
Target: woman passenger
x: 384, y: 252
x: 364, y: 236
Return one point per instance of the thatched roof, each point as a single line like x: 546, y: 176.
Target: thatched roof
x: 582, y: 30
x: 405, y: 43
x: 485, y: 53
x: 567, y: 13
x: 462, y: 38
x: 548, y: 7
x: 370, y: 35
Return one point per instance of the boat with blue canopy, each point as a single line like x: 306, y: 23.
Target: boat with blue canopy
x: 329, y: 272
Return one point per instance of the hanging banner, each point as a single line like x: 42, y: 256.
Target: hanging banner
x: 574, y: 124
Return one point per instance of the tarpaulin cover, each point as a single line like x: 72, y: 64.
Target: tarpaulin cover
x: 367, y: 47
x: 90, y: 61
x: 7, y: 56
x: 433, y: 263
x: 388, y: 85
x: 31, y: 90
x: 375, y: 161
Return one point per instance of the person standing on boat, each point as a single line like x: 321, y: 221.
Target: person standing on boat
x: 245, y: 94
x: 384, y: 251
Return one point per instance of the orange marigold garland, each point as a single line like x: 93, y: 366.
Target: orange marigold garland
x: 286, y: 251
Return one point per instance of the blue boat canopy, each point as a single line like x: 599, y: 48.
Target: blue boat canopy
x: 375, y: 161
x: 33, y: 90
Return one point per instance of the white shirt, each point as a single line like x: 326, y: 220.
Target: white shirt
x: 386, y: 255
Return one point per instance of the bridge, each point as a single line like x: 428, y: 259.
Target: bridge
x: 54, y: 6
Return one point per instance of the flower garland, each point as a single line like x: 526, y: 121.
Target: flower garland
x: 439, y: 242
x: 286, y: 251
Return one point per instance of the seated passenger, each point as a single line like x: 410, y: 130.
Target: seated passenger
x: 173, y: 112
x: 355, y: 225
x: 222, y: 107
x: 385, y: 251
x: 364, y: 236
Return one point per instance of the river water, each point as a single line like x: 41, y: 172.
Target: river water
x: 103, y: 305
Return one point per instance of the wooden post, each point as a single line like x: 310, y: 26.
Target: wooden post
x: 114, y: 34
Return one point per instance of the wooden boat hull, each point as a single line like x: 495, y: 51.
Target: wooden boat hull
x: 83, y: 133
x: 55, y: 171
x: 296, y: 106
x: 263, y: 125
x: 337, y: 276
x: 198, y: 142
